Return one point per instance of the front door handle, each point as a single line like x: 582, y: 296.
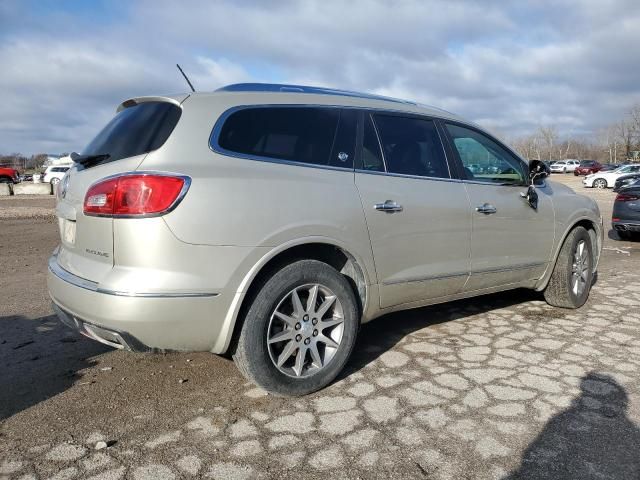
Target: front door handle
x: 486, y: 208
x: 389, y: 206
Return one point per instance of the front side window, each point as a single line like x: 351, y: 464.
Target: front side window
x: 485, y: 160
x: 411, y: 146
x: 298, y: 134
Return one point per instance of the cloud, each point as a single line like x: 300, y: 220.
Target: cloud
x: 511, y: 68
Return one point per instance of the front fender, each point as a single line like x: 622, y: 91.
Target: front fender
x: 579, y: 216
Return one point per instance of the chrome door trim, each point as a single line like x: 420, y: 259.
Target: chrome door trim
x: 85, y: 284
x: 424, y: 279
x: 523, y: 266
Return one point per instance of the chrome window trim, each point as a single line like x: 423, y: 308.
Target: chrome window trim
x: 375, y: 130
x: 85, y: 284
x: 403, y: 175
x: 172, y: 207
x: 215, y: 147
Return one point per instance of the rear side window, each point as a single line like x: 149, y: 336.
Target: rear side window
x: 411, y: 146
x: 298, y: 134
x: 138, y: 129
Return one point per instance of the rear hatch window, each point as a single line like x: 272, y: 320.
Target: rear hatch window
x: 137, y: 129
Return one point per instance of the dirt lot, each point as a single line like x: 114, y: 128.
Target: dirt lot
x: 501, y: 386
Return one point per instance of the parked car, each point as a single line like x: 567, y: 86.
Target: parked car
x: 564, y: 166
x: 626, y: 181
x: 608, y: 179
x: 54, y: 174
x: 9, y: 175
x: 625, y: 218
x: 27, y: 177
x: 269, y: 221
x: 586, y: 167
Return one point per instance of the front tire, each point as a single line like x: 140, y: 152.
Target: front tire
x: 600, y: 183
x: 572, y: 275
x: 299, y: 330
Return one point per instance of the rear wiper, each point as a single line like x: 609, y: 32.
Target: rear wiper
x: 89, y: 160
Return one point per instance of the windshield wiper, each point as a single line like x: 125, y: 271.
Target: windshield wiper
x: 89, y: 160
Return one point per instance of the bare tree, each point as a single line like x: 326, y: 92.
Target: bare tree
x: 549, y: 137
x: 625, y: 132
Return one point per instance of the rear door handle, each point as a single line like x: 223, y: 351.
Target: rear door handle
x: 486, y: 208
x: 388, y: 206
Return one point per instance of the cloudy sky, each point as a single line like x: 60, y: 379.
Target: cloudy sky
x: 66, y: 65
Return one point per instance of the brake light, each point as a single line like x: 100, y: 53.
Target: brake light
x: 627, y: 197
x: 134, y: 195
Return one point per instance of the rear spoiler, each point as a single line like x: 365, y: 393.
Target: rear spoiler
x: 175, y: 99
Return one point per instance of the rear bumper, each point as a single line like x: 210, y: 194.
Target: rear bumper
x: 158, y: 322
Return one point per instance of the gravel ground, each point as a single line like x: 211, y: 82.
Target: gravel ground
x: 501, y: 386
x: 27, y: 206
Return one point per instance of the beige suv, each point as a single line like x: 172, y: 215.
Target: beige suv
x: 270, y: 221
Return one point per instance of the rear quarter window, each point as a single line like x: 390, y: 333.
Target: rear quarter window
x: 297, y: 134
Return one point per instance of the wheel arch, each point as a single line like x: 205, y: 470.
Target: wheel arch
x: 322, y: 249
x: 596, y: 240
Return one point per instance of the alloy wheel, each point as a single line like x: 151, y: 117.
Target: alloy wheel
x: 580, y: 269
x: 305, y: 330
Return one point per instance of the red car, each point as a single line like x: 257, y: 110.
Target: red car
x: 587, y: 167
x: 9, y: 175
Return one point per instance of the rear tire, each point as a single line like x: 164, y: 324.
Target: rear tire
x: 274, y: 314
x: 572, y: 275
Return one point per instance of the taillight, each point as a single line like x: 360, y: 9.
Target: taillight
x: 134, y: 195
x: 627, y: 197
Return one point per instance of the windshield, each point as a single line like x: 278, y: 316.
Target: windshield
x: 135, y: 130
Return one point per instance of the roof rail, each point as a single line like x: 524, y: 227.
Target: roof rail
x: 277, y: 87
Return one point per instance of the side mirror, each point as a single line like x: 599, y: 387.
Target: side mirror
x: 537, y: 171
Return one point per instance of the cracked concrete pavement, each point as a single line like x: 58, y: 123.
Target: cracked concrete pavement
x: 502, y: 386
